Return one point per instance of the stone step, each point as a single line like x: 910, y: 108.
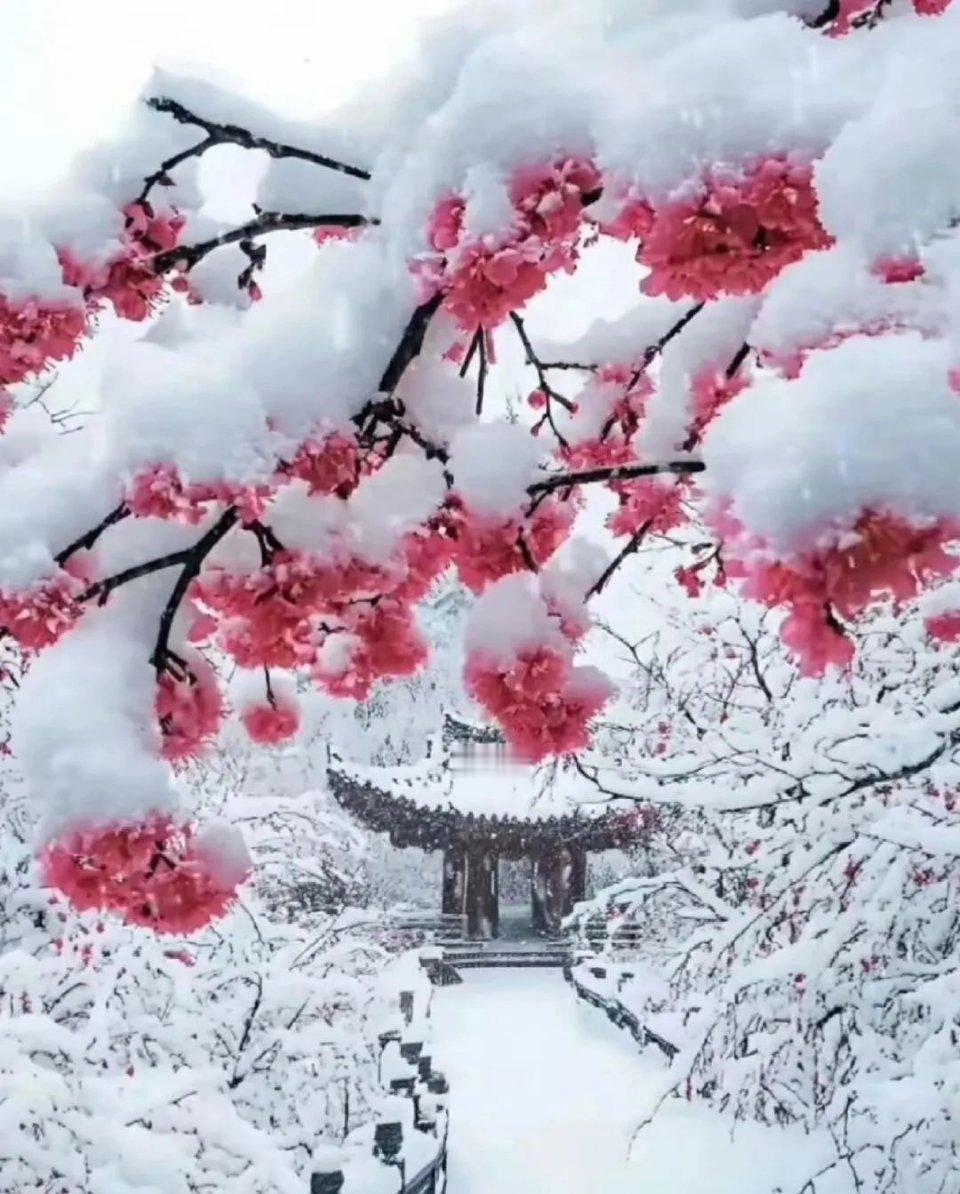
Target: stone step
x: 478, y: 962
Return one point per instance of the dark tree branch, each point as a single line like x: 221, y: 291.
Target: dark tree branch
x: 624, y: 472
x: 162, y: 173
x: 268, y: 542
x: 739, y: 357
x: 232, y: 134
x: 548, y: 365
x: 627, y: 550
x: 827, y: 17
x: 410, y: 344
x: 185, y: 257
x: 534, y: 360
x: 467, y: 360
x: 89, y: 538
x: 481, y: 373
x: 103, y: 588
x: 192, y: 564
x: 653, y: 351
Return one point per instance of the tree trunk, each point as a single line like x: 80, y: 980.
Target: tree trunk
x: 482, y: 894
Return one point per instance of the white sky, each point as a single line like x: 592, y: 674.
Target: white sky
x: 69, y: 68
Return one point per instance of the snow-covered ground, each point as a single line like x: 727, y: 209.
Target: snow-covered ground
x: 545, y: 1095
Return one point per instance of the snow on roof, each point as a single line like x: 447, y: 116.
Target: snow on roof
x: 480, y: 778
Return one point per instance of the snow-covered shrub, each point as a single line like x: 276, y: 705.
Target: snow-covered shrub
x: 803, y: 911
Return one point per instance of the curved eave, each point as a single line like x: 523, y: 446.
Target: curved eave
x: 411, y: 824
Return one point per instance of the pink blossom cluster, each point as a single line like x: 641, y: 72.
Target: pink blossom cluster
x: 161, y: 492
x: 851, y: 10
x: 150, y: 873
x: 128, y: 281
x: 484, y: 278
x: 346, y: 620
x: 37, y: 617
x: 710, y: 392
x: 543, y: 702
x: 328, y: 463
x: 653, y: 503
x: 379, y: 641
x: 33, y: 334
x: 271, y: 721
x: 189, y: 709
x: 733, y: 238
x: 827, y: 585
x: 328, y: 233
x: 790, y: 364
x: 488, y: 548
x: 618, y: 398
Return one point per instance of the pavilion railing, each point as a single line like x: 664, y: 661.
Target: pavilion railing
x: 599, y: 983
x: 410, y: 1132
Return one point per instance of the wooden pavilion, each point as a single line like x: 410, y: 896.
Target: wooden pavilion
x: 473, y: 844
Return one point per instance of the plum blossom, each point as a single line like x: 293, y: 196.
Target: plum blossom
x: 189, y: 709
x: 379, y: 641
x: 162, y: 492
x: 328, y: 464
x: 881, y: 555
x: 128, y: 281
x: 154, y: 873
x: 271, y: 721
x: 38, y: 616
x: 542, y: 702
x: 35, y: 334
x: 733, y: 238
x: 652, y: 502
x: 489, y: 548
x: 484, y: 278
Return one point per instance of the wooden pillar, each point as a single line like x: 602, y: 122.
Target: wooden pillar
x: 538, y: 894
x: 558, y: 881
x: 482, y: 898
x: 454, y: 874
x: 578, y: 877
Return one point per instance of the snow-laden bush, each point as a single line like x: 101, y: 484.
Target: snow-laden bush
x: 805, y: 916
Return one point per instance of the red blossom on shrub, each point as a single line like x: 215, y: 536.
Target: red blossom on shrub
x: 881, y: 555
x: 488, y: 548
x: 129, y: 282
x: 378, y: 642
x: 328, y: 464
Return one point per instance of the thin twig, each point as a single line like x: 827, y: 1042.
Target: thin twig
x: 621, y: 472
x: 185, y: 257
x: 232, y: 134
x: 89, y: 538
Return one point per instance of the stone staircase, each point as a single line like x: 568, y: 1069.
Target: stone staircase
x: 513, y: 948
x: 471, y: 955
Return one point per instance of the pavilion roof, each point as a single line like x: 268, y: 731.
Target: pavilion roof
x: 462, y: 797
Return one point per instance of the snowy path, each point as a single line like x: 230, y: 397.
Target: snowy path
x: 544, y: 1092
